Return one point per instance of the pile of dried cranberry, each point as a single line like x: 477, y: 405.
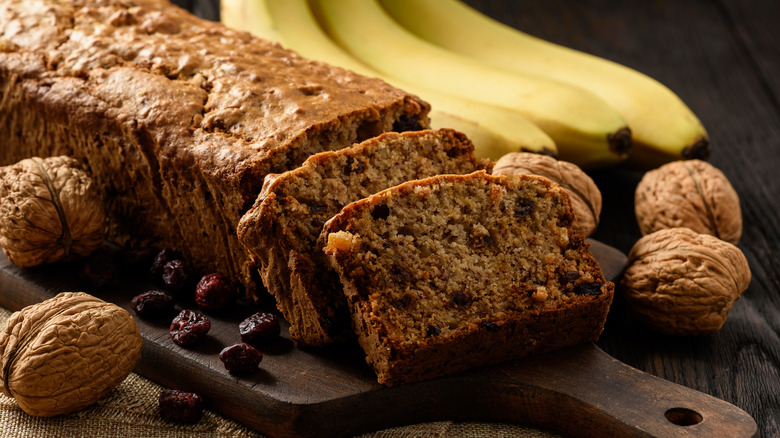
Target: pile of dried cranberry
x: 176, y: 280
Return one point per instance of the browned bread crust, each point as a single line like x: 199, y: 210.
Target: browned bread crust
x: 178, y: 119
x: 452, y: 272
x: 282, y: 228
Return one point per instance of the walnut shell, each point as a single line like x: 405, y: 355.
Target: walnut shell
x: 65, y: 353
x: 684, y: 283
x: 692, y: 194
x: 49, y: 211
x: 584, y: 193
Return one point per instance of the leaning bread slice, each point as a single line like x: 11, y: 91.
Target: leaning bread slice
x: 281, y: 230
x: 456, y: 271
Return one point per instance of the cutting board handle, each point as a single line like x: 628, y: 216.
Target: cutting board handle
x: 582, y: 391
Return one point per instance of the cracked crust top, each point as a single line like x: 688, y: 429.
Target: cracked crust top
x: 200, y: 86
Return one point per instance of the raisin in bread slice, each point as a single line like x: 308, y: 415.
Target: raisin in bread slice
x: 453, y: 272
x: 282, y: 228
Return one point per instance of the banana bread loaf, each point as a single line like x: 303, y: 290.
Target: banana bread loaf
x: 282, y: 228
x: 457, y: 271
x: 177, y: 119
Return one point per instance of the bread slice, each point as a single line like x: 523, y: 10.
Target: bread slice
x: 282, y: 228
x: 452, y: 272
x: 178, y: 119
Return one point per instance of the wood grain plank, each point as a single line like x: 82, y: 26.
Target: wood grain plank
x: 754, y: 24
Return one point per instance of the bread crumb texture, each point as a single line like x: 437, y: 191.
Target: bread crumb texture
x: 464, y: 259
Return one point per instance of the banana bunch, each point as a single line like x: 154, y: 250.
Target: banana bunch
x: 505, y: 89
x: 494, y: 131
x: 662, y: 126
x: 586, y: 130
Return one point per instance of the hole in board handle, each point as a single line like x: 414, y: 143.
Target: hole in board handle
x: 683, y: 416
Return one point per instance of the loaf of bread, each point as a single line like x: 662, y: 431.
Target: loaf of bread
x: 457, y: 271
x: 177, y: 119
x: 282, y: 228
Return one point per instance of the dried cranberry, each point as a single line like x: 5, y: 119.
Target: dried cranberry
x: 215, y: 291
x: 259, y: 328
x: 152, y: 304
x: 241, y: 358
x: 176, y: 276
x: 100, y: 268
x: 180, y: 406
x: 189, y: 327
x: 162, y: 257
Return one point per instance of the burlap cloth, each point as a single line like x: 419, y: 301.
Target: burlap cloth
x: 130, y: 411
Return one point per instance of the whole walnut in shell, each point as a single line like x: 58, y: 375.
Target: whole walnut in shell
x: 49, y: 211
x: 583, y: 192
x: 684, y: 283
x: 65, y: 353
x: 692, y: 194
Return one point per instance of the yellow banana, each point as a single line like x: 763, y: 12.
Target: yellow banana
x: 662, y: 126
x: 248, y: 15
x: 586, y: 130
x: 494, y: 131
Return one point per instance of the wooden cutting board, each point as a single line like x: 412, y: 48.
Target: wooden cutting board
x: 299, y: 392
